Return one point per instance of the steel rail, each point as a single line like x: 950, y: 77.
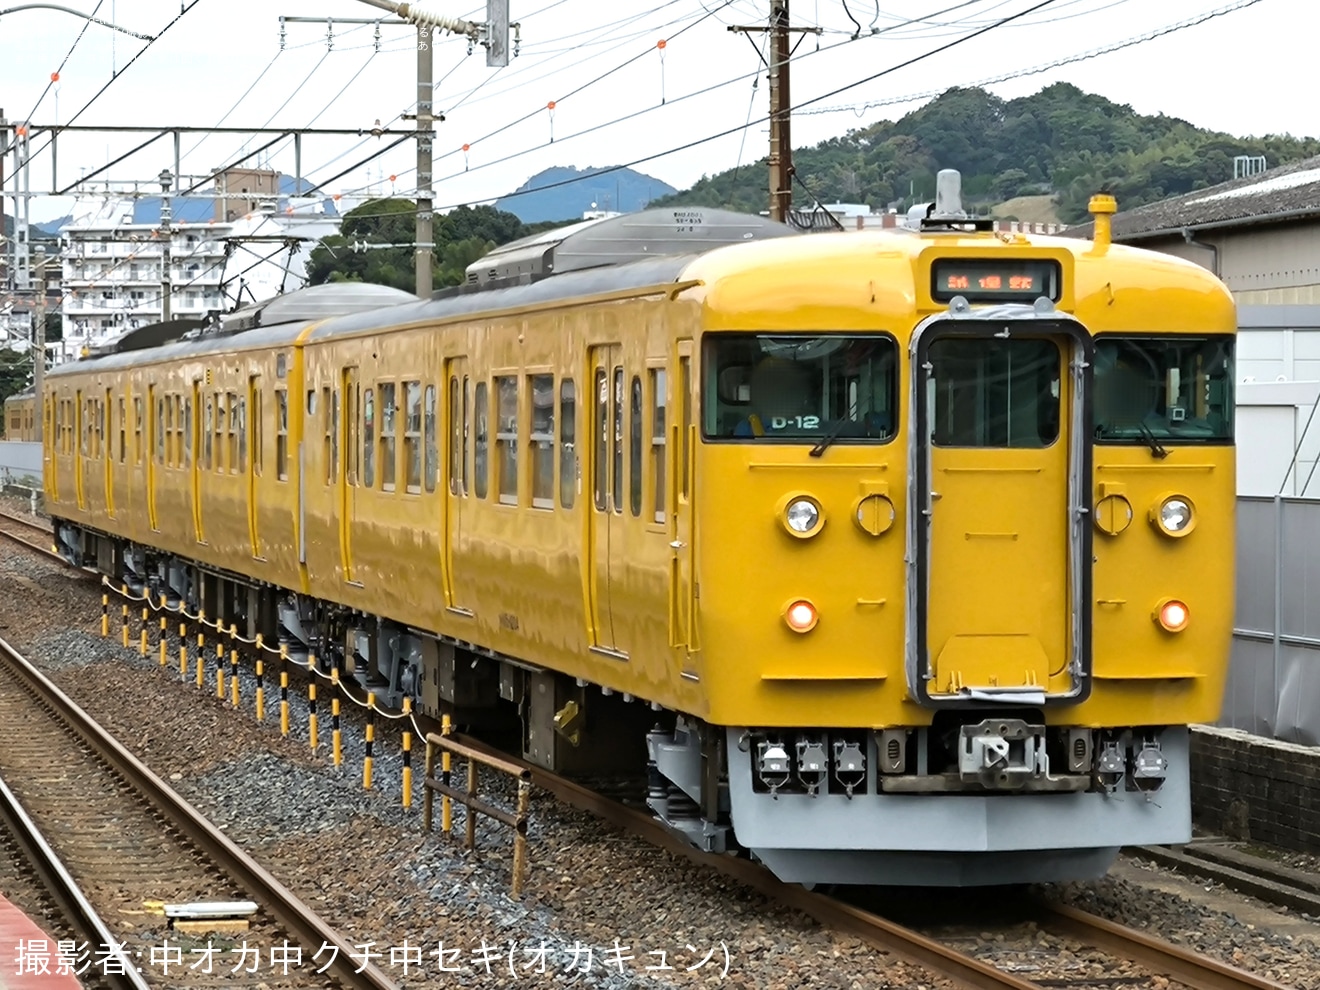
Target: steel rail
x: 65, y: 890
x: 45, y: 551
x: 7, y: 517
x: 297, y: 917
x: 876, y: 931
x: 1177, y: 963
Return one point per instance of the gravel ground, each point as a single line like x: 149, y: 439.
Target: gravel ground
x: 365, y: 863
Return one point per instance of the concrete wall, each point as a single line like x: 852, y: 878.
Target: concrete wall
x: 20, y: 463
x: 1261, y: 790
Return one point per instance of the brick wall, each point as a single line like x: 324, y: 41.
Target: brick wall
x: 1251, y: 788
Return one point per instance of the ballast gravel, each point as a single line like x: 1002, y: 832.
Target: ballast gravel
x: 601, y: 908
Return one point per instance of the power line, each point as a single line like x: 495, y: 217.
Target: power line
x: 260, y: 76
x: 54, y: 77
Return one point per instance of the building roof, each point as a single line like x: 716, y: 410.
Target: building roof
x: 1289, y: 192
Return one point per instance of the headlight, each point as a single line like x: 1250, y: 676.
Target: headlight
x: 1175, y: 516
x: 802, y: 516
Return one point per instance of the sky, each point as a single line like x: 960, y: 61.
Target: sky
x: 1246, y: 72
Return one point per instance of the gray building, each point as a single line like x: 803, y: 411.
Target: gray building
x: 1260, y: 233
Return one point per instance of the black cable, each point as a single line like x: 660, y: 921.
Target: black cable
x: 858, y: 33
x: 86, y: 24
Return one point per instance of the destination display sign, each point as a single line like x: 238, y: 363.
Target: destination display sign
x: 985, y: 279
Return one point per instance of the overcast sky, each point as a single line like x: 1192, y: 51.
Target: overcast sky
x: 1249, y: 71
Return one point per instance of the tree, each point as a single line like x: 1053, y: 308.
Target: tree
x: 15, y: 372
x: 376, y: 244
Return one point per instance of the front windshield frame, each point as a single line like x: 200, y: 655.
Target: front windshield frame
x: 1158, y: 423
x: 864, y: 423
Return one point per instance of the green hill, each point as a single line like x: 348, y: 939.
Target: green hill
x: 1060, y: 142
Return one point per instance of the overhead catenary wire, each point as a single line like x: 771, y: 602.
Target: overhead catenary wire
x: 55, y: 76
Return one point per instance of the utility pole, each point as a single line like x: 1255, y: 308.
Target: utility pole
x: 781, y: 145
x: 167, y: 238
x: 39, y: 350
x: 493, y: 35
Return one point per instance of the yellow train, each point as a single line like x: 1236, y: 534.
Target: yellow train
x: 898, y: 557
x: 20, y: 416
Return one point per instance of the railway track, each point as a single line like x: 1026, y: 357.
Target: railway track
x: 128, y: 838
x: 1161, y: 958
x: 34, y: 531
x: 1222, y: 862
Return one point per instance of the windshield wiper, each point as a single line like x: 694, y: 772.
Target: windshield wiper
x: 829, y: 438
x: 1157, y: 449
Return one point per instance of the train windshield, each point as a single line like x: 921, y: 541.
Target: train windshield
x: 1163, y: 388
x: 800, y: 387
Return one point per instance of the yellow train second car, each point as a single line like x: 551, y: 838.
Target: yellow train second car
x: 896, y: 557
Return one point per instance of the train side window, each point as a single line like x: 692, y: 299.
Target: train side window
x: 160, y: 430
x: 685, y: 425
x: 635, y: 449
x: 506, y: 439
x: 235, y: 428
x: 457, y: 450
x: 186, y: 427
x: 352, y: 420
x: 327, y: 438
x: 219, y: 432
x: 137, y: 429
x: 208, y: 415
x: 334, y: 435
x: 412, y: 436
x: 658, y: 442
x: 282, y: 434
x: 258, y: 437
x: 616, y: 490
x: 123, y: 434
x: 432, y: 464
x: 567, y: 442
x: 369, y: 438
x: 388, y: 431
x: 542, y: 439
x: 169, y: 431
x: 467, y: 430
x: 240, y: 428
x: 600, y: 428
x: 480, y: 409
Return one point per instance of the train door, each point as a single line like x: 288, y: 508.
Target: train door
x: 351, y: 445
x: 106, y: 425
x: 80, y: 432
x: 152, y: 431
x: 458, y: 438
x: 1004, y: 570
x: 608, y: 403
x: 197, y: 438
x: 681, y: 454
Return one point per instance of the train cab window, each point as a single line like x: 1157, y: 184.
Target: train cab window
x: 542, y: 440
x: 995, y: 392
x: 658, y: 443
x: 282, y: 434
x: 208, y: 416
x: 412, y: 436
x: 388, y: 432
x: 635, y: 449
x: 567, y: 442
x: 431, y: 441
x: 480, y: 441
x: 506, y: 438
x: 369, y: 438
x: 1175, y: 388
x: 800, y: 388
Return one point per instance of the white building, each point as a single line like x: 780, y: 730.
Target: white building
x: 113, y: 254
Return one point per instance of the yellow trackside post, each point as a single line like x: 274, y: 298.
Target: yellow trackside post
x: 312, y: 734
x: 105, y: 615
x: 284, y: 689
x: 261, y: 690
x: 336, y: 740
x: 407, y: 754
x: 446, y: 803
x: 371, y: 736
x: 142, y: 638
x: 201, y: 647
x: 183, y: 645
x: 164, y: 632
x: 220, y: 662
x: 124, y: 622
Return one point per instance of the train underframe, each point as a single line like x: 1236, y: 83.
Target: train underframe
x: 978, y: 797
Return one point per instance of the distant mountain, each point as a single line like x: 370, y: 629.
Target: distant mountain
x: 47, y: 230
x: 1061, y: 143
x: 582, y: 189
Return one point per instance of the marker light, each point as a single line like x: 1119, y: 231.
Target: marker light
x: 801, y: 616
x: 1172, y: 615
x: 1174, y: 516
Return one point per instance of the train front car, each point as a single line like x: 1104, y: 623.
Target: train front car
x: 962, y: 554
